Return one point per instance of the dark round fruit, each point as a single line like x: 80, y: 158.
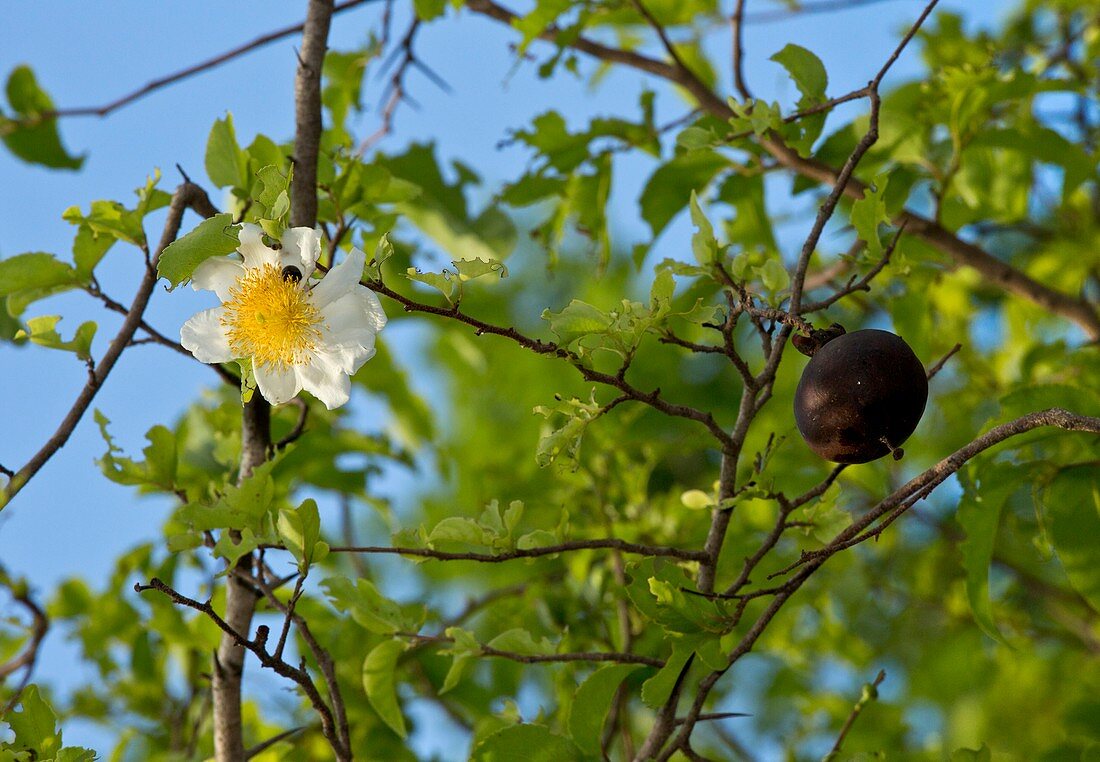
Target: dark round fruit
x: 862, y: 394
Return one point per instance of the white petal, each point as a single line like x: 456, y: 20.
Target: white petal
x: 252, y: 247
x: 217, y: 274
x: 204, y: 337
x: 340, y: 279
x: 322, y: 377
x: 277, y: 386
x: 301, y: 248
x: 349, y: 327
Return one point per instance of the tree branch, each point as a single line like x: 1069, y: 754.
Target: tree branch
x: 187, y: 196
x: 509, y: 555
x: 1077, y: 310
x: 190, y: 71
x: 594, y: 656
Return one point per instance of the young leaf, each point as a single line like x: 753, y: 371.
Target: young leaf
x: 519, y: 640
x: 806, y: 70
x: 986, y: 488
x: 591, y: 703
x: 34, y: 271
x: 671, y: 186
x: 226, y: 163
x: 703, y: 243
x: 1072, y: 505
x: 367, y: 606
x: 577, y: 320
x: 530, y: 743
x: 869, y: 212
x: 380, y: 683
x: 36, y: 726
x: 214, y: 237
x: 43, y: 331
x: 657, y: 689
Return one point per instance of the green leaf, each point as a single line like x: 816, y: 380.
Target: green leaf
x: 442, y: 282
x: 696, y: 499
x: 426, y: 10
x: 520, y: 641
x: 806, y: 70
x: 368, y: 607
x: 657, y: 689
x: 869, y: 212
x: 669, y: 189
x: 33, y: 271
x: 577, y: 320
x: 272, y: 193
x: 529, y: 743
x: 774, y: 276
x: 226, y: 163
x: 1071, y: 504
x: 986, y: 488
x: 539, y: 538
x: 703, y: 243
x: 89, y: 247
x: 455, y: 673
x: 33, y: 137
x: 43, y: 331
x: 380, y: 682
x: 535, y: 22
x: 591, y: 703
x: 468, y: 269
x: 214, y: 237
x: 232, y: 550
x: 36, y: 726
x: 300, y: 531
x: 458, y: 529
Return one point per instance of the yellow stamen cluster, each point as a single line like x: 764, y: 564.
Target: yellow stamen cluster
x: 271, y: 319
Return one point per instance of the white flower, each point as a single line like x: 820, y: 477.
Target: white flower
x: 298, y: 335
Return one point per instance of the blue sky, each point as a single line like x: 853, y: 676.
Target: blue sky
x: 70, y: 520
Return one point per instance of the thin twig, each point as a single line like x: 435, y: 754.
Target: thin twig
x: 593, y: 656
x: 870, y: 693
x: 299, y: 426
x: 187, y: 196
x: 509, y: 555
x: 190, y: 71
x: 28, y: 657
x: 943, y: 361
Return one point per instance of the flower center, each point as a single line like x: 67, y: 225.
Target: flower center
x: 271, y: 319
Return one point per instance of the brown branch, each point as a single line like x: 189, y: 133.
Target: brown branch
x: 919, y: 486
x: 549, y: 348
x: 299, y: 427
x: 263, y: 746
x: 187, y: 196
x: 157, y: 337
x: 1077, y: 310
x: 307, y: 113
x: 593, y: 656
x: 853, y: 285
x: 509, y: 555
x: 28, y: 657
x: 257, y: 647
x: 943, y: 361
x: 190, y: 71
x: 320, y: 653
